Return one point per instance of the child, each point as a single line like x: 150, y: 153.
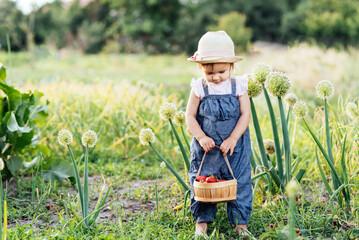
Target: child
x: 218, y: 113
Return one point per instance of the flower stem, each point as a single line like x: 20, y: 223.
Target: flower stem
x: 156, y: 190
x: 258, y: 135
x: 5, y: 222
x: 294, y: 132
x: 185, y: 139
x: 184, y: 154
x: 1, y: 201
x: 86, y: 186
x: 77, y: 176
x: 278, y: 153
x: 185, y: 186
x: 291, y: 218
x: 329, y: 142
x: 285, y: 133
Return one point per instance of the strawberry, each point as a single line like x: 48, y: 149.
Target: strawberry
x: 211, y: 179
x: 222, y: 180
x: 201, y: 179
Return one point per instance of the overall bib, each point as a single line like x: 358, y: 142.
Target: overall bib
x: 218, y: 115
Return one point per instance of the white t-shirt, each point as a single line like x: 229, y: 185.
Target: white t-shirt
x: 224, y: 87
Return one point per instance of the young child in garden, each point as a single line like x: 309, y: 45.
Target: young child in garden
x: 218, y: 113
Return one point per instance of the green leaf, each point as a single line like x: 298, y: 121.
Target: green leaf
x: 13, y: 126
x: 14, y: 164
x: 13, y: 95
x: 2, y: 74
x: 325, y: 181
x: 56, y: 169
x: 300, y: 174
x: 31, y: 163
x: 22, y: 141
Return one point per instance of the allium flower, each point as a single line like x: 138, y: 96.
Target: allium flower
x: 260, y: 72
x: 277, y: 84
x: 351, y: 110
x: 146, y: 136
x: 89, y: 139
x: 300, y: 109
x: 64, y: 137
x: 1, y: 161
x: 292, y: 188
x: 254, y: 87
x: 163, y: 165
x: 167, y: 111
x: 269, y: 146
x: 291, y: 99
x: 325, y: 89
x: 180, y: 118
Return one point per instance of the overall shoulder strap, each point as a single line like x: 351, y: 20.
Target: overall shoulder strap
x: 205, y: 87
x: 233, y: 83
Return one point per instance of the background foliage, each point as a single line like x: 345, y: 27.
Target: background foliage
x: 158, y: 26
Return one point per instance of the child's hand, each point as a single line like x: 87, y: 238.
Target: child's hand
x: 227, y: 145
x: 207, y: 143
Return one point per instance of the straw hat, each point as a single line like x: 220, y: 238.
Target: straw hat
x: 215, y: 47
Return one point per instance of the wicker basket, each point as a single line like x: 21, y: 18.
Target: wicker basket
x: 215, y: 192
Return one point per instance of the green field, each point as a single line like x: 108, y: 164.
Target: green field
x: 118, y: 95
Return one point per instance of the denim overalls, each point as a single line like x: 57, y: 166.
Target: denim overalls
x: 218, y: 115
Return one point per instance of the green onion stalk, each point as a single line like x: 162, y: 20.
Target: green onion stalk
x: 185, y: 139
x: 285, y: 133
x: 78, y: 182
x: 275, y: 134
x: 260, y: 143
x: 292, y: 189
x: 89, y: 140
x: 169, y: 166
x: 180, y: 144
x: 326, y: 157
x: 278, y: 84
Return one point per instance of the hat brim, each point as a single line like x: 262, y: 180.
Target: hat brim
x: 217, y: 59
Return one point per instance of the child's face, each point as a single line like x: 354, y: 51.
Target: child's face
x: 216, y: 72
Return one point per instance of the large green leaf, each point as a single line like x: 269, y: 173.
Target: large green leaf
x: 13, y: 126
x: 38, y: 113
x: 57, y: 169
x: 24, y: 140
x: 14, y: 164
x: 2, y: 73
x: 14, y: 96
x: 31, y: 163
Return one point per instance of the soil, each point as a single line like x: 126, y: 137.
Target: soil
x: 119, y: 198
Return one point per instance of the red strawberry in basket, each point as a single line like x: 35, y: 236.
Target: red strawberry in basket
x: 211, y: 179
x: 201, y: 179
x: 222, y: 180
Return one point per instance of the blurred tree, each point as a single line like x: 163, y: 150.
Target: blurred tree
x: 150, y: 22
x: 327, y: 21
x: 234, y: 25
x: 194, y: 19
x: 13, y: 23
x: 50, y: 24
x: 263, y: 17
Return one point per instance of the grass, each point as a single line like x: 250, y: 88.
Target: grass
x: 117, y: 96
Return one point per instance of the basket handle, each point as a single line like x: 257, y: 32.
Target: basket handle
x: 225, y: 158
